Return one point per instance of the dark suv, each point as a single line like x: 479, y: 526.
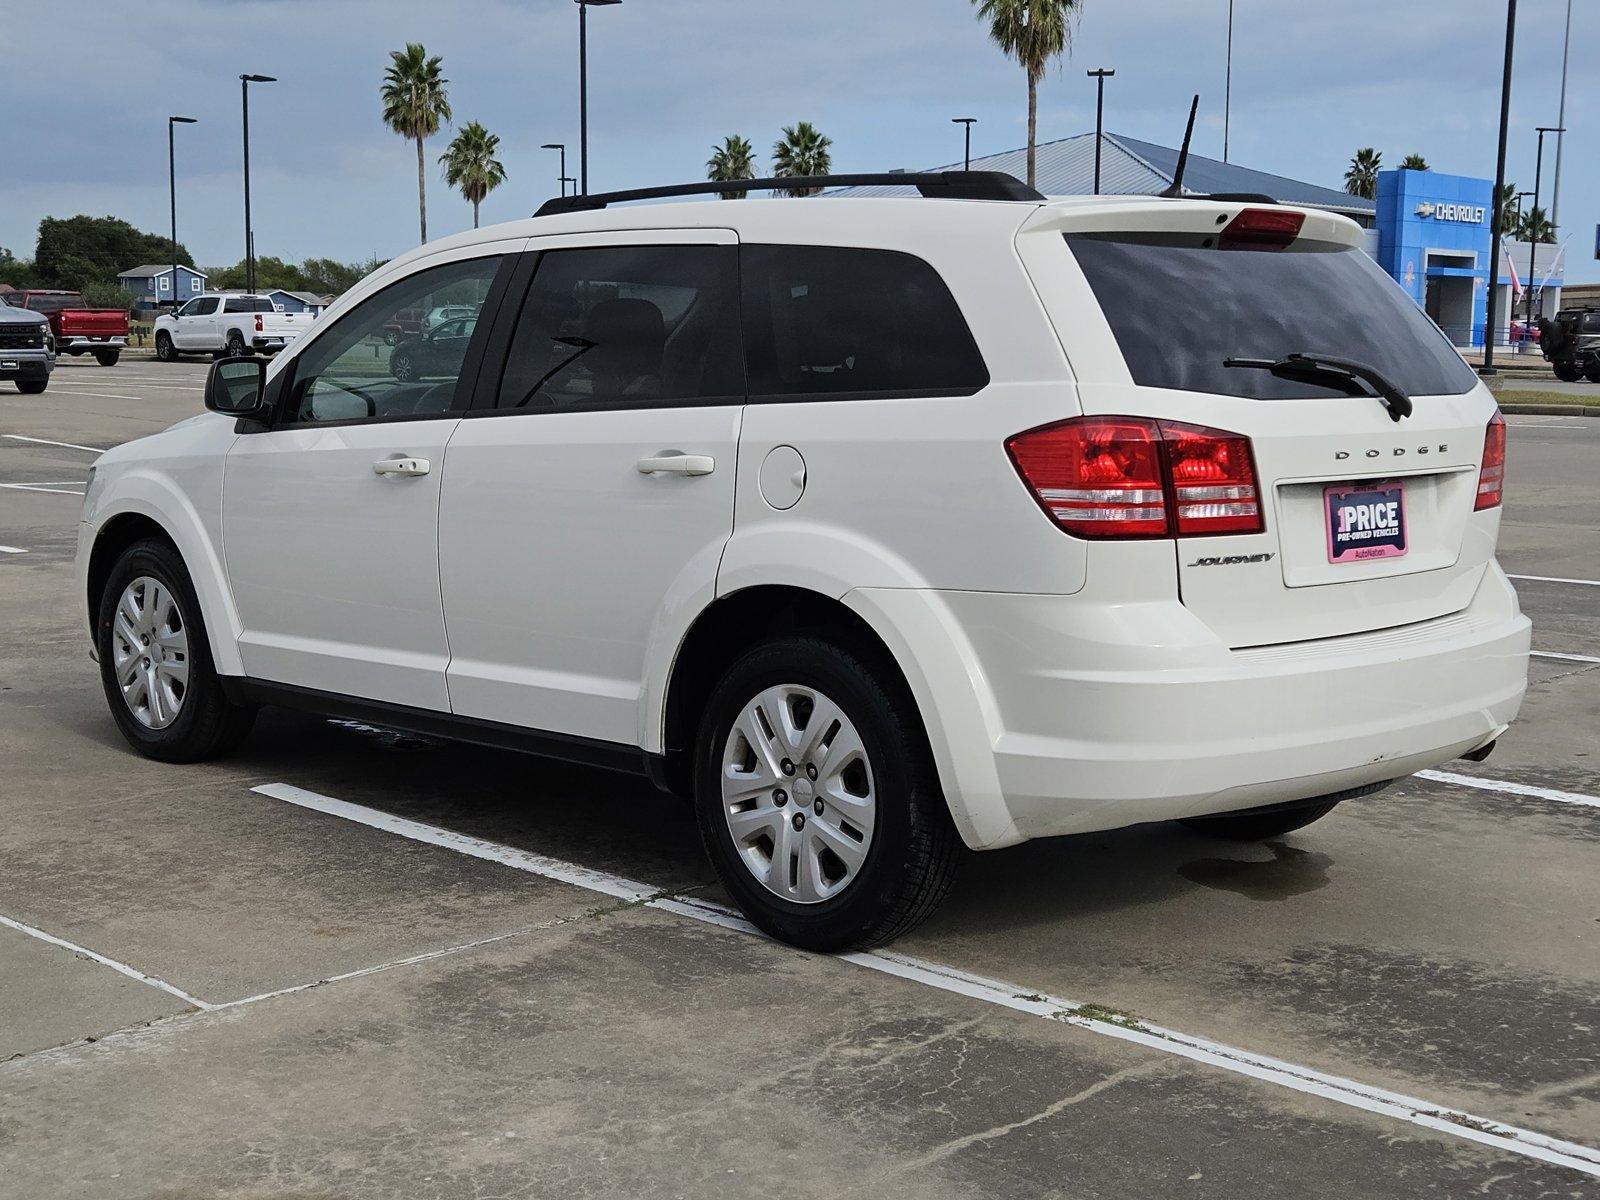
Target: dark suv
x: 1571, y: 343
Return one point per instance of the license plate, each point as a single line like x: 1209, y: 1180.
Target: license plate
x: 10, y: 364
x: 1365, y: 521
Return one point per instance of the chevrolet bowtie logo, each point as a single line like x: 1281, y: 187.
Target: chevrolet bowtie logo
x: 1426, y: 209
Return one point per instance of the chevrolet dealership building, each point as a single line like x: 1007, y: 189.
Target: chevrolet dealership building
x: 1429, y: 231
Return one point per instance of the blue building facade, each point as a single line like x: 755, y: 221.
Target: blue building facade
x: 1433, y: 239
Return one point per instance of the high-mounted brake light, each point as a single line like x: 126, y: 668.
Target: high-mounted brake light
x: 1132, y: 477
x: 1261, y: 229
x: 1492, y: 474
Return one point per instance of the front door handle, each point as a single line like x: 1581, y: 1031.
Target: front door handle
x: 401, y: 466
x: 675, y: 462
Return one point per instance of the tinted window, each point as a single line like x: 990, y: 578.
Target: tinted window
x: 1178, y: 309
x: 830, y: 321
x: 204, y: 307
x: 352, y: 372
x: 627, y: 325
x: 248, y: 304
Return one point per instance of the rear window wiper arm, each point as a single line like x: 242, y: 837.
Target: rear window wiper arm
x: 1309, y: 367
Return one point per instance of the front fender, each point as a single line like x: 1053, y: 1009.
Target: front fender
x: 151, y: 493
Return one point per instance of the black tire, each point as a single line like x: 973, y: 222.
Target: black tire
x: 235, y: 347
x: 391, y: 337
x: 1592, y: 371
x: 208, y: 724
x: 107, y: 358
x: 914, y: 852
x: 165, y: 350
x: 1274, y: 820
x: 32, y: 387
x: 403, y: 366
x: 1567, y: 371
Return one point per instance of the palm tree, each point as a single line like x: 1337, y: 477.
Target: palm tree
x: 1414, y: 162
x: 1508, y: 210
x: 1362, y: 177
x: 734, y: 159
x: 414, y: 106
x: 801, y: 151
x: 1535, y: 226
x: 1033, y: 32
x: 471, y: 166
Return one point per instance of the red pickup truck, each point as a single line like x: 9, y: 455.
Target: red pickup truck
x: 77, y: 328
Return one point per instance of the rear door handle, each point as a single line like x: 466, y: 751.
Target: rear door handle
x: 674, y: 462
x: 401, y: 466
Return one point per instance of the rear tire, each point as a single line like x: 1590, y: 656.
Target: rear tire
x: 165, y: 351
x: 197, y: 723
x: 235, y: 347
x: 107, y: 358
x: 1592, y: 371
x: 32, y: 387
x: 1567, y: 372
x: 911, y: 847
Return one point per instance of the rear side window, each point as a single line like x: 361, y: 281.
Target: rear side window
x: 830, y: 322
x: 627, y: 326
x: 1179, y: 308
x: 247, y: 304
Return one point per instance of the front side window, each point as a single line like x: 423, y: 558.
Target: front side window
x: 204, y: 307
x: 837, y: 322
x: 619, y: 326
x: 366, y: 367
x: 189, y: 309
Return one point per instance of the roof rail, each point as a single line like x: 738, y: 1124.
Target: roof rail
x: 945, y: 185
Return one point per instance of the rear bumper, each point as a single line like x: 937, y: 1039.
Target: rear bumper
x: 1133, y: 713
x: 91, y: 341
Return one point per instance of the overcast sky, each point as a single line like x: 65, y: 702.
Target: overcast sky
x: 92, y: 83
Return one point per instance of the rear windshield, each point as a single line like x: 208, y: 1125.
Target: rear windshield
x: 1178, y: 308
x: 55, y: 304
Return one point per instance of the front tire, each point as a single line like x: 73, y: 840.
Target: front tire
x: 32, y: 387
x: 165, y: 351
x: 817, y: 798
x: 1592, y: 371
x: 155, y: 662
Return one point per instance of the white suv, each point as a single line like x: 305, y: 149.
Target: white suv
x: 871, y: 527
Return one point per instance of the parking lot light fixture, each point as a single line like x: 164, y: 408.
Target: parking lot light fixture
x: 1099, y: 76
x: 969, y: 122
x: 1499, y: 190
x: 583, y: 87
x: 1533, y: 242
x: 249, y: 237
x: 561, y: 146
x: 172, y: 189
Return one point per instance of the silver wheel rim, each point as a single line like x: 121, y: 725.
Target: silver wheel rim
x: 150, y: 652
x: 798, y: 794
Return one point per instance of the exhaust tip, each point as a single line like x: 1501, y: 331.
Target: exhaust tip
x: 1482, y: 752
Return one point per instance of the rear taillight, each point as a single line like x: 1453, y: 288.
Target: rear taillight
x: 1132, y: 477
x: 1261, y: 229
x: 259, y: 326
x: 1492, y: 475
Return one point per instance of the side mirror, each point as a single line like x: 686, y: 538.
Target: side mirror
x: 235, y: 387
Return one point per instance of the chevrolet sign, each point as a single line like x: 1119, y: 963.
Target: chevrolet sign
x: 1461, y: 214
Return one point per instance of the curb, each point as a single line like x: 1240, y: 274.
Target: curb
x: 1551, y: 410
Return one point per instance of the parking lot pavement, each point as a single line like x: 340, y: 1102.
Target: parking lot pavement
x: 425, y: 994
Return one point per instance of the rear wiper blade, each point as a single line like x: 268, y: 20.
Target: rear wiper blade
x: 1308, y: 367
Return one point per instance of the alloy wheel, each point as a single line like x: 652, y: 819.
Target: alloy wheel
x: 150, y: 652
x: 798, y: 794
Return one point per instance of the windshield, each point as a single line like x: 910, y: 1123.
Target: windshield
x: 1178, y: 308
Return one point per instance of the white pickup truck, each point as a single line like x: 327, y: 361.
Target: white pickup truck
x: 227, y: 325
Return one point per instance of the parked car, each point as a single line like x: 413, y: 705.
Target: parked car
x: 872, y: 528
x: 403, y: 324
x: 1571, y: 343
x: 27, y: 348
x: 227, y: 324
x: 437, y: 353
x: 446, y: 312
x: 77, y: 328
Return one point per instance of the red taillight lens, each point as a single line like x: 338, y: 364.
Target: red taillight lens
x: 1492, y: 475
x: 1261, y: 229
x: 259, y: 326
x: 1132, y: 477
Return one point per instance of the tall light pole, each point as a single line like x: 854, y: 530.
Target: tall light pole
x: 1227, y: 90
x: 1499, y: 190
x: 249, y: 235
x: 1099, y: 76
x: 566, y: 179
x: 561, y: 146
x: 1533, y: 243
x: 583, y: 88
x: 172, y: 188
x: 968, y: 122
x: 1561, y: 119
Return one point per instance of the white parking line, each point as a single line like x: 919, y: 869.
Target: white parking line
x: 17, y: 437
x: 39, y: 487
x: 1554, y: 579
x: 12, y: 550
x: 123, y: 968
x: 1580, y: 658
x: 95, y: 395
x: 1439, y: 1118
x: 1511, y: 789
